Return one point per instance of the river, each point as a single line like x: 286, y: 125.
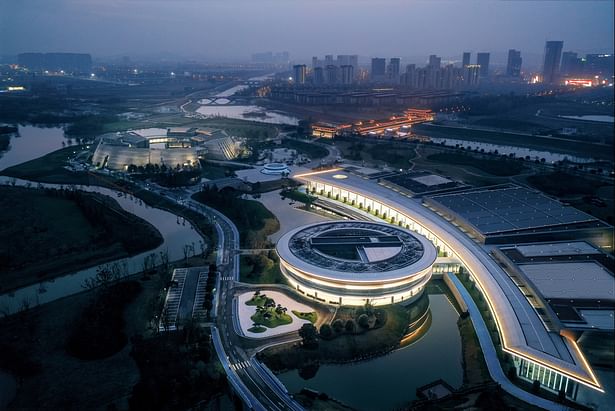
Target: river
x: 30, y: 143
x: 242, y: 112
x: 519, y: 152
x: 388, y: 382
x: 176, y: 234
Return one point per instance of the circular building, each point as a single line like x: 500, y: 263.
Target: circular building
x: 275, y: 169
x: 354, y: 262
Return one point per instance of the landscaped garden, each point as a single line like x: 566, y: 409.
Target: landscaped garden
x: 268, y: 313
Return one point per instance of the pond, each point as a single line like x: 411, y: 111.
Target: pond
x: 387, y: 382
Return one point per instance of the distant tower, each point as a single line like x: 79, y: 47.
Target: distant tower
x: 434, y: 62
x: 378, y: 69
x: 472, y: 75
x: 465, y: 61
x: 331, y: 74
x: 347, y: 74
x: 393, y: 70
x: 319, y: 76
x: 570, y: 64
x: 553, y: 55
x: 513, y: 67
x: 482, y: 59
x: 299, y: 72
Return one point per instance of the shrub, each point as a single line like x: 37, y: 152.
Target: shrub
x: 326, y: 331
x: 350, y: 326
x: 338, y: 325
x: 363, y: 321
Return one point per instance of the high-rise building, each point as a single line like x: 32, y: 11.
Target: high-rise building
x: 349, y: 60
x: 465, y: 61
x: 513, y: 67
x: 318, y: 76
x: 315, y: 62
x: 482, y: 59
x: 434, y: 62
x: 551, y: 65
x: 599, y: 65
x: 347, y: 72
x: 299, y: 72
x: 571, y: 64
x: 378, y: 69
x: 331, y: 74
x: 393, y: 70
x: 472, y: 75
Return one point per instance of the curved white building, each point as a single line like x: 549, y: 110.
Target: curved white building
x: 355, y: 262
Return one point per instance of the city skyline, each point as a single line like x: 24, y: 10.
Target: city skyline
x: 112, y: 29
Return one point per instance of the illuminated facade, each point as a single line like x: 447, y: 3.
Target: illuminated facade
x: 356, y: 262
x: 538, y: 352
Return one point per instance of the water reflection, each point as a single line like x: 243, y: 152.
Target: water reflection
x: 175, y: 235
x: 32, y: 142
x: 519, y: 152
x: 248, y: 112
x: 384, y: 383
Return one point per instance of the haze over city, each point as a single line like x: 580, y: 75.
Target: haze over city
x: 232, y: 30
x: 285, y: 205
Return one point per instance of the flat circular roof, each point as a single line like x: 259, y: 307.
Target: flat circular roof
x: 356, y: 251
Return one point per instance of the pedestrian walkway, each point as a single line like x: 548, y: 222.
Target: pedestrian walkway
x: 241, y: 365
x: 168, y: 318
x: 198, y: 312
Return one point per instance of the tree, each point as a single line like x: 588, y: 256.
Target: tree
x: 338, y: 325
x: 309, y: 336
x: 350, y: 326
x: 326, y: 331
x: 363, y: 321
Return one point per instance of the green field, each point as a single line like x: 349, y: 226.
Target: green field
x: 252, y: 218
x: 551, y: 183
x: 313, y: 151
x: 536, y: 142
x: 311, y: 316
x: 266, y: 271
x: 500, y: 168
x: 50, y: 168
x: 46, y: 233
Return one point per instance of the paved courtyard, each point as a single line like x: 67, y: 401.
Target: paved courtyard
x: 246, y: 311
x: 289, y: 216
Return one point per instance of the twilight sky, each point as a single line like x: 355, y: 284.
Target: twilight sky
x: 228, y: 30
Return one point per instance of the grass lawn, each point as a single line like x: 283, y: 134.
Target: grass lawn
x: 271, y: 319
x: 270, y: 274
x: 313, y: 151
x: 475, y: 370
x: 298, y: 196
x: 50, y: 168
x: 394, y: 155
x: 257, y: 329
x: 311, y: 316
x: 214, y: 171
x: 47, y: 233
x: 574, y: 185
x: 257, y: 300
x: 500, y: 168
x: 253, y: 220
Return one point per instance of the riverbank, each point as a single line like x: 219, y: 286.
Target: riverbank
x: 47, y: 233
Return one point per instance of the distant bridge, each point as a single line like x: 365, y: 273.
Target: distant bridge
x: 223, y: 101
